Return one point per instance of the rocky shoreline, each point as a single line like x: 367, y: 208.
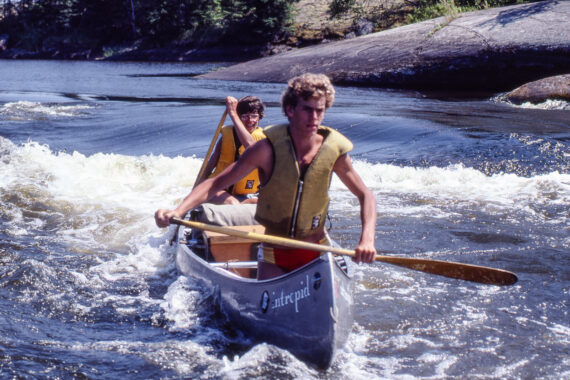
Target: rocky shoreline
x: 489, y: 51
x: 493, y: 50
x: 135, y: 53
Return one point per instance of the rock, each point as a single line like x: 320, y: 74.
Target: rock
x: 364, y: 27
x: 4, y: 38
x: 350, y: 35
x: 493, y: 50
x: 556, y: 88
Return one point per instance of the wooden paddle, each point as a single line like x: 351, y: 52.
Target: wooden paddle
x: 211, y: 147
x: 206, y: 159
x: 451, y: 269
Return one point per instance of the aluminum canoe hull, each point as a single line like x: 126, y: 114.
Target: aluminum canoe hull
x: 307, y: 312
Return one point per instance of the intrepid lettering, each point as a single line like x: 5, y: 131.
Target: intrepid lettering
x: 293, y: 297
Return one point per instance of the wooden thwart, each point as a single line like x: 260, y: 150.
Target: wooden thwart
x: 221, y: 238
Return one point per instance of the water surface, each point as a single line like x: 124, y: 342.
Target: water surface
x: 88, y: 284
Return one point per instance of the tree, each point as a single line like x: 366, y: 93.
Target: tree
x: 96, y: 23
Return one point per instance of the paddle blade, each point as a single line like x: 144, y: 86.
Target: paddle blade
x: 468, y: 272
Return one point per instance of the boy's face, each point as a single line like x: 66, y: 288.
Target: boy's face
x: 250, y: 120
x: 307, y: 115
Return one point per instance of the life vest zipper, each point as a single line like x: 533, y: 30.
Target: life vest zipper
x: 296, y: 209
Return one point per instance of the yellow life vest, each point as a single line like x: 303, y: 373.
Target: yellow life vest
x: 250, y: 183
x: 292, y: 206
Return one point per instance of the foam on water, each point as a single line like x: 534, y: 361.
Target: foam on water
x: 426, y: 191
x: 27, y: 110
x: 179, y: 300
x: 107, y: 200
x: 266, y: 361
x: 100, y: 194
x: 549, y: 104
x: 123, y: 186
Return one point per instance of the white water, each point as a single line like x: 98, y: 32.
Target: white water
x: 100, y: 188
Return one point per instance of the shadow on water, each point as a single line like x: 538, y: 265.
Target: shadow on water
x: 166, y: 75
x: 488, y: 237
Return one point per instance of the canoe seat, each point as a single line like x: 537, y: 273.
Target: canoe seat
x: 224, y: 248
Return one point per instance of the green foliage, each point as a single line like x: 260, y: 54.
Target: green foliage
x: 253, y: 21
x: 156, y: 22
x: 433, y: 8
x: 338, y: 7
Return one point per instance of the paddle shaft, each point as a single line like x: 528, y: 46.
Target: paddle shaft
x: 206, y: 159
x: 211, y: 147
x: 475, y: 273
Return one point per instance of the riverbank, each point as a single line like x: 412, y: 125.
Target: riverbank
x: 493, y: 50
x: 489, y: 51
x: 312, y: 23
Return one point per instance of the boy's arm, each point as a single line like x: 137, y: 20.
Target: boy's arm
x: 255, y: 158
x: 365, y: 251
x: 243, y: 135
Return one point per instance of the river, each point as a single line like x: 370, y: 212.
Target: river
x: 89, y: 286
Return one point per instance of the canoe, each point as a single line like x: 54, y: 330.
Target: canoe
x: 307, y: 312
